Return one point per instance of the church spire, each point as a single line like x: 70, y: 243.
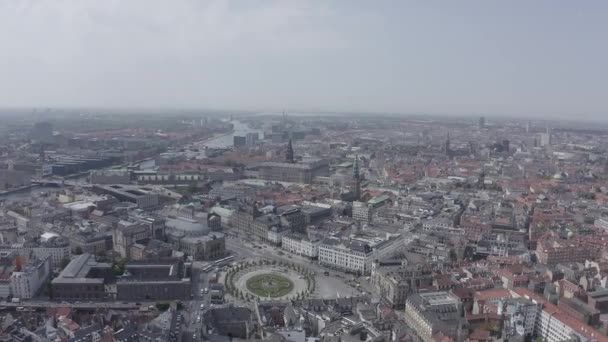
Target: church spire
x: 357, y: 178
x: 289, y: 154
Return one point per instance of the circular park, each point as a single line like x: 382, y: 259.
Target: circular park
x: 269, y: 285
x: 269, y: 280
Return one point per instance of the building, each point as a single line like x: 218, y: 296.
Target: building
x: 520, y: 316
x: 27, y: 282
x: 555, y: 325
x: 93, y: 243
x: 544, y: 139
x: 580, y: 310
x: 10, y: 179
x: 292, y: 218
x: 300, y: 244
x: 395, y: 282
x: 83, y: 278
x: 143, y: 197
x: 239, y: 141
x: 553, y: 251
x: 251, y: 139
x: 110, y: 177
x: 205, y: 247
x: 235, y: 322
x: 126, y: 235
x: 364, y: 212
x: 163, y: 279
x: 301, y: 172
x: 347, y: 255
x: 357, y: 254
x: 432, y: 313
x: 57, y: 248
x: 42, y: 132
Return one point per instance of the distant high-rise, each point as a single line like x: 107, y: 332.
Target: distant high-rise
x: 528, y: 127
x: 446, y: 146
x: 289, y: 157
x: 42, y: 132
x: 544, y: 139
x: 482, y: 122
x: 357, y: 178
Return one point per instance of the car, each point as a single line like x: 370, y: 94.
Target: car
x: 326, y: 273
x: 203, y: 306
x: 206, y: 290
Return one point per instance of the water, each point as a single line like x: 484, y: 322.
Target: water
x: 27, y: 194
x: 225, y: 141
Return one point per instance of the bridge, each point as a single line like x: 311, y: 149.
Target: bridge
x: 82, y: 306
x: 56, y: 182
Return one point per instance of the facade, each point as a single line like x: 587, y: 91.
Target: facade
x: 110, y: 177
x: 520, y: 317
x: 556, y: 325
x: 350, y: 256
x: 552, y: 252
x: 163, y: 279
x: 127, y: 234
x: 206, y: 247
x: 356, y: 255
x: 93, y: 244
x: 293, y: 219
x: 364, y: 211
x: 361, y: 212
x: 275, y: 235
x: 432, y: 313
x: 303, y: 172
x: 26, y: 283
x: 299, y: 244
x: 57, y: 248
x: 395, y: 283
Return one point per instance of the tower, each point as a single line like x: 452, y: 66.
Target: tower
x: 482, y: 122
x: 447, y: 145
x: 357, y: 178
x: 289, y: 154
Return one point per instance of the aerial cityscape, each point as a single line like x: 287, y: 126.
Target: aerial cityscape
x: 295, y: 228
x: 303, y: 171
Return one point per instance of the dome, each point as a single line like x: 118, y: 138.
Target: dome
x: 560, y: 176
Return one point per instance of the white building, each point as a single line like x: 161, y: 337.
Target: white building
x: 520, y: 316
x: 361, y: 212
x: 364, y: 212
x: 301, y: 245
x: 27, y: 282
x: 357, y: 254
x: 554, y: 325
x: 57, y: 248
x: 275, y: 235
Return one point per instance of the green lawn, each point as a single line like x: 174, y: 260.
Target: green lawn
x: 269, y: 285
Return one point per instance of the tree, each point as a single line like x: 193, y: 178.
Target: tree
x: 78, y: 250
x: 162, y: 306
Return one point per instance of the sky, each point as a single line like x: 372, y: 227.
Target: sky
x: 515, y: 58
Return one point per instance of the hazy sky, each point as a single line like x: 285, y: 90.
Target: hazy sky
x: 462, y: 57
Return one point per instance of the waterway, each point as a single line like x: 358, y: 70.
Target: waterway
x: 223, y: 141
